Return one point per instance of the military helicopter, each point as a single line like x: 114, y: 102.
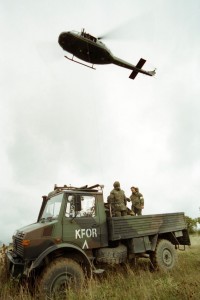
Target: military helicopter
x: 91, y: 49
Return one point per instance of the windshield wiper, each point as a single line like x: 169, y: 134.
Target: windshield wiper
x: 50, y: 218
x: 42, y: 220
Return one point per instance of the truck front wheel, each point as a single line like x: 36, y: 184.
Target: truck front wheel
x: 59, y: 275
x: 164, y: 258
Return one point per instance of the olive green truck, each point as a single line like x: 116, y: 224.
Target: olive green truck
x: 76, y: 236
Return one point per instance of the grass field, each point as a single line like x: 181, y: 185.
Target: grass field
x: 127, y: 282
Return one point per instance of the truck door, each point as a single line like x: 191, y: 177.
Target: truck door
x: 81, y: 221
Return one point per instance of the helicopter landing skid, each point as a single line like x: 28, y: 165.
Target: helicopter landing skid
x: 91, y: 67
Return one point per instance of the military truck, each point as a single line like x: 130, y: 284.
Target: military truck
x: 76, y: 235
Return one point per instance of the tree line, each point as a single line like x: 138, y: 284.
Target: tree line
x: 192, y: 224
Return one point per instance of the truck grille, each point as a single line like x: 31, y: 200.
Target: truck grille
x: 17, y: 244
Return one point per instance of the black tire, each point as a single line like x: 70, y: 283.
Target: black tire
x: 60, y: 274
x: 165, y: 257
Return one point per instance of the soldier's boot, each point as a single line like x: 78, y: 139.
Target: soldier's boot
x: 130, y: 212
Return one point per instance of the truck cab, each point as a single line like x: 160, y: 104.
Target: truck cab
x: 69, y: 219
x: 79, y: 215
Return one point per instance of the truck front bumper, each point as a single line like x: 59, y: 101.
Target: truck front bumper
x: 15, y: 264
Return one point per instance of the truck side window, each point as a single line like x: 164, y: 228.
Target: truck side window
x: 88, y: 207
x: 70, y: 208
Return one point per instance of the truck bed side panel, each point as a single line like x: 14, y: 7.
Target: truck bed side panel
x: 137, y: 226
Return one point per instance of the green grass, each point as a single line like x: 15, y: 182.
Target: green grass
x: 134, y: 283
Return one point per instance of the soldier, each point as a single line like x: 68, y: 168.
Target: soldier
x: 137, y: 201
x: 117, y: 199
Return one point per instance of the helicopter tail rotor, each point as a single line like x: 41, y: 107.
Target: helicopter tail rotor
x: 138, y: 69
x: 139, y: 66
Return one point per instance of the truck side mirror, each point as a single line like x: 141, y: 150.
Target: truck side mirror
x: 78, y: 203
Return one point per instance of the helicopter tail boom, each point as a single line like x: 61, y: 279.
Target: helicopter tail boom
x: 139, y: 66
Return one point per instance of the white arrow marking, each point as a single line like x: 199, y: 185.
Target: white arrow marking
x: 85, y: 245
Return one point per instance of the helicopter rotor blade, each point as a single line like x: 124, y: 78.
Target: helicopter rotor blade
x: 109, y: 35
x: 134, y: 27
x: 119, y: 31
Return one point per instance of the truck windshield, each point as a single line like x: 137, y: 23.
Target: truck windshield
x: 52, y: 208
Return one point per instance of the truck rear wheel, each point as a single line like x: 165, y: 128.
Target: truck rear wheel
x: 60, y: 274
x: 165, y: 257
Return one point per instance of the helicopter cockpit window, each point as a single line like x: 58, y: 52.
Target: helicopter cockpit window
x: 87, y: 207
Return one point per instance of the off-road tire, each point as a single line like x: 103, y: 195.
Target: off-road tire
x: 165, y: 257
x: 58, y: 276
x: 112, y: 255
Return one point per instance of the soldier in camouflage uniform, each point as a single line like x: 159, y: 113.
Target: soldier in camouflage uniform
x: 117, y: 199
x: 137, y: 201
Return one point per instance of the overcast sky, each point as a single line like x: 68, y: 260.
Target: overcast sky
x: 62, y: 123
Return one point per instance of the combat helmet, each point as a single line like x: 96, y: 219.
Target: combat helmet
x: 116, y: 184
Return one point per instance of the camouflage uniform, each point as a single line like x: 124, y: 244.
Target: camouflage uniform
x: 117, y: 199
x: 137, y: 201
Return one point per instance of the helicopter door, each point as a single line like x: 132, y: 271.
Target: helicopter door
x: 81, y: 221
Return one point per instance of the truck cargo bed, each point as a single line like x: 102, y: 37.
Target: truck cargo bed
x: 138, y: 226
